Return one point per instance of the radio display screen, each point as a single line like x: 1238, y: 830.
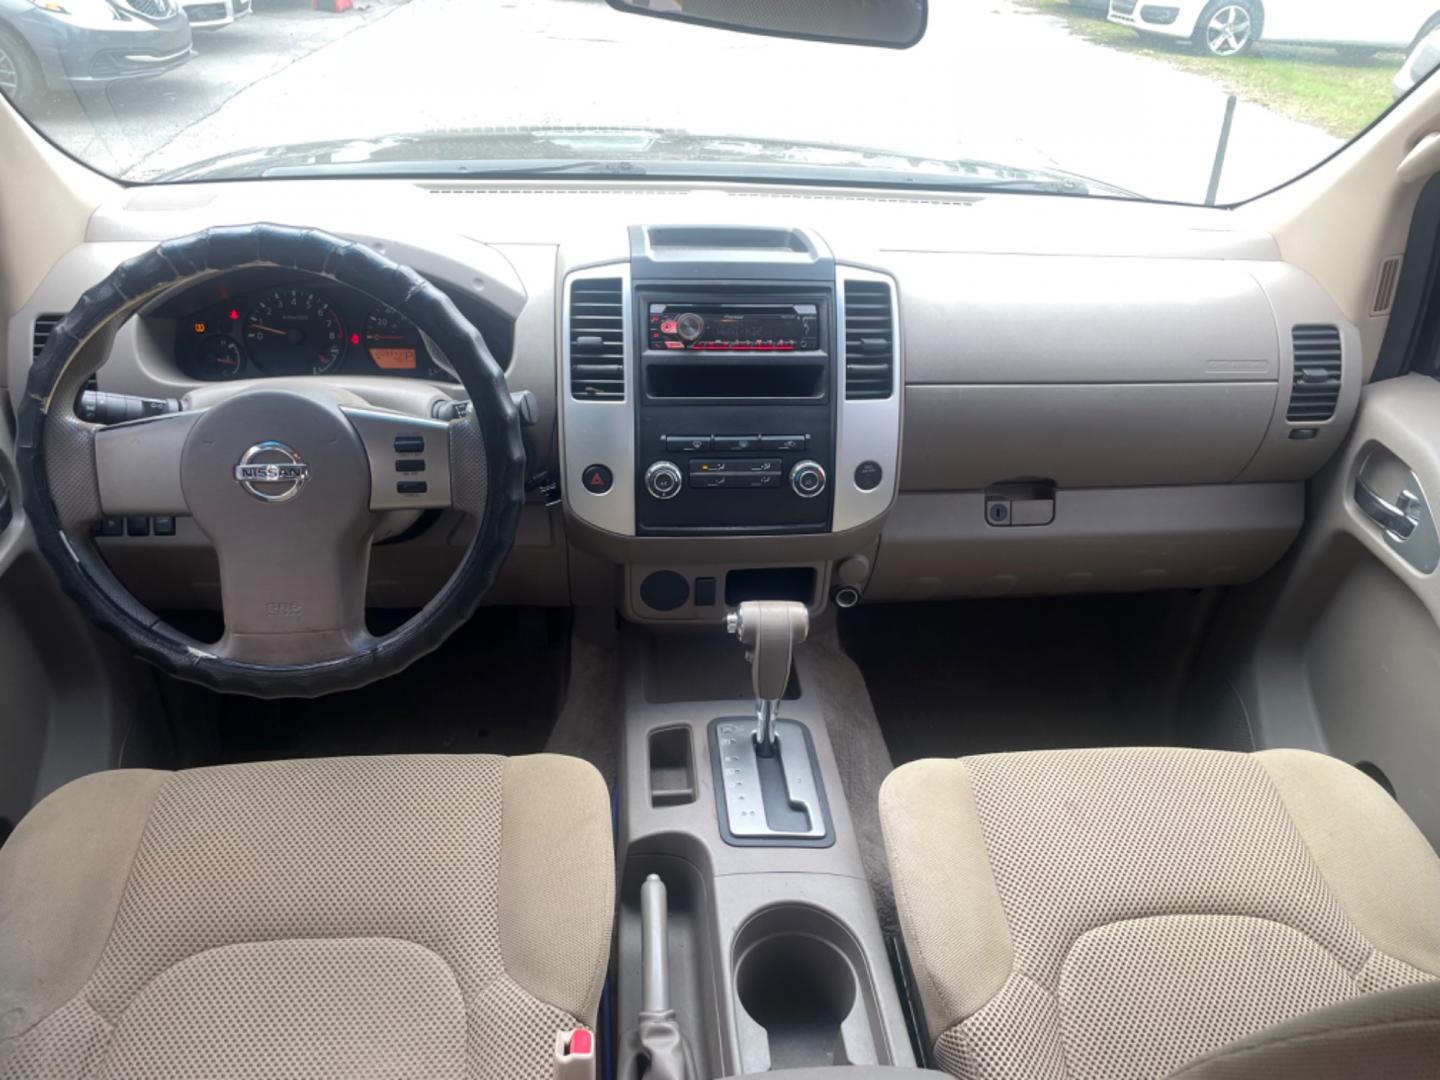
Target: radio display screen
x: 737, y: 327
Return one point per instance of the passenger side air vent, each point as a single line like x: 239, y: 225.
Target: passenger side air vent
x: 44, y: 324
x: 597, y: 340
x: 1316, y: 389
x: 869, y: 341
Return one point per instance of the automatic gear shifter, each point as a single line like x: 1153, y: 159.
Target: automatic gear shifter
x: 766, y: 775
x: 770, y: 629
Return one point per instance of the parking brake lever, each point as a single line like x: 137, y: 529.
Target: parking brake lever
x: 656, y: 1049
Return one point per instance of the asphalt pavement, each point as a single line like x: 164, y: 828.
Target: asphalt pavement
x: 989, y: 80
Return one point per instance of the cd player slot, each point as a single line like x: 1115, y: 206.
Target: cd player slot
x: 772, y: 378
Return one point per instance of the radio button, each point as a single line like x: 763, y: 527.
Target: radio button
x: 689, y: 326
x: 736, y: 442
x: 736, y: 465
x: 783, y: 442
x: 688, y: 444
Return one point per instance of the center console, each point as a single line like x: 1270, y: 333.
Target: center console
x: 767, y: 953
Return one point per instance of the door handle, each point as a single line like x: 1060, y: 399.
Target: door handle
x: 1392, y: 518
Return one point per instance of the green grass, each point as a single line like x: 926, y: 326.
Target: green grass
x: 1315, y: 85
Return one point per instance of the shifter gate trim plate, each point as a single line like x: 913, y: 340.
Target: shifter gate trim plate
x: 739, y: 792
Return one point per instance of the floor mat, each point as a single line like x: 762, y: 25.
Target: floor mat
x: 975, y: 677
x: 494, y: 687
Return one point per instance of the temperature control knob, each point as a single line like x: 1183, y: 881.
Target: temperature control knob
x: 808, y: 479
x: 663, y: 479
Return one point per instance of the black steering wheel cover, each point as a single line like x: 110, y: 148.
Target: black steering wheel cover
x: 492, y: 421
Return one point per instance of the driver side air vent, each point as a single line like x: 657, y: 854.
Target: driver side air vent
x: 597, y: 340
x: 1316, y: 389
x: 44, y: 324
x: 869, y: 341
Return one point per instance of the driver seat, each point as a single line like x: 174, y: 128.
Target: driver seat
x: 417, y: 916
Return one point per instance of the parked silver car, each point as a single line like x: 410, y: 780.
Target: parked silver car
x: 1424, y: 58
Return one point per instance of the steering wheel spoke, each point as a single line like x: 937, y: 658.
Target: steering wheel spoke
x: 409, y: 458
x: 137, y: 465
x: 295, y: 603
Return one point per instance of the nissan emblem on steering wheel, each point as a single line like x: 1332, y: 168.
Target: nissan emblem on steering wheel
x: 272, y: 471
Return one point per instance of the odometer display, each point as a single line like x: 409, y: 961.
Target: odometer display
x: 294, y: 331
x: 392, y: 340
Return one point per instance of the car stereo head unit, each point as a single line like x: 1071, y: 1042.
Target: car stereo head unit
x: 726, y: 327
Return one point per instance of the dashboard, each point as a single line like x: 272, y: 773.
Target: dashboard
x: 805, y: 397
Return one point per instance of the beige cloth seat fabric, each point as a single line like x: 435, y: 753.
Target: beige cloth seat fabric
x: 1109, y: 913
x: 1394, y: 1034
x: 352, y: 917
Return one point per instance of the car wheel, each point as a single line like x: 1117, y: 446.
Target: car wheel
x: 19, y: 74
x: 1227, y: 28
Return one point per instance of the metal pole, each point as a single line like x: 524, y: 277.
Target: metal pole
x: 1220, y: 150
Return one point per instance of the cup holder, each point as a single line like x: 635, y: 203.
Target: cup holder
x: 799, y: 978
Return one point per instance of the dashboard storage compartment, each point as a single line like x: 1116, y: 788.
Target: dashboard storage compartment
x: 804, y: 996
x: 779, y: 583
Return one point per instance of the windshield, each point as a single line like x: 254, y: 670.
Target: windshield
x: 1124, y: 99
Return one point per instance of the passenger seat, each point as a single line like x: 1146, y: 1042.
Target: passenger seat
x: 1127, y: 912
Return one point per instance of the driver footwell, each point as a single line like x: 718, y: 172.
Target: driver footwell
x: 495, y: 687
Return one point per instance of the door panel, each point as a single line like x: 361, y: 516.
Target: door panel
x: 69, y: 700
x: 1339, y: 651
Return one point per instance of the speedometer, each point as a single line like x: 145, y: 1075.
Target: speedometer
x: 392, y: 340
x: 294, y: 331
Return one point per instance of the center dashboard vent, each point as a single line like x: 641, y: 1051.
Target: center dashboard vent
x: 597, y: 339
x: 1318, y: 374
x: 869, y: 341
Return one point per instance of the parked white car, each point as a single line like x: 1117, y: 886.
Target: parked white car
x: 1228, y: 28
x: 213, y: 14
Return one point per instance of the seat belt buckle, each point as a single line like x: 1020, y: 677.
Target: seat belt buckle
x: 575, y: 1054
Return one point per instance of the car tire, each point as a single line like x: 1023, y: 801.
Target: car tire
x: 1228, y: 28
x: 20, y: 78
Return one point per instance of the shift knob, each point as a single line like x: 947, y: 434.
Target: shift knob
x: 770, y: 629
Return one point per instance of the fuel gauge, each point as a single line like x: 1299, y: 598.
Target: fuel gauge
x: 219, y: 357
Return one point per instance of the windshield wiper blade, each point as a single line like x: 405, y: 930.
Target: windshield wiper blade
x: 419, y: 167
x: 662, y: 169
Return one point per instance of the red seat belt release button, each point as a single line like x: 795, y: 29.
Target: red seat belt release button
x: 575, y: 1055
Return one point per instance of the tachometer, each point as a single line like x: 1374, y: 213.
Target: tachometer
x: 293, y: 331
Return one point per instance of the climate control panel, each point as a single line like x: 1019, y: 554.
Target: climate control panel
x: 762, y: 481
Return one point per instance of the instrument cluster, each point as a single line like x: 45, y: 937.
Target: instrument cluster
x: 299, y: 327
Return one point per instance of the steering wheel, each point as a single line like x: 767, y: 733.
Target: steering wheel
x: 288, y: 482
